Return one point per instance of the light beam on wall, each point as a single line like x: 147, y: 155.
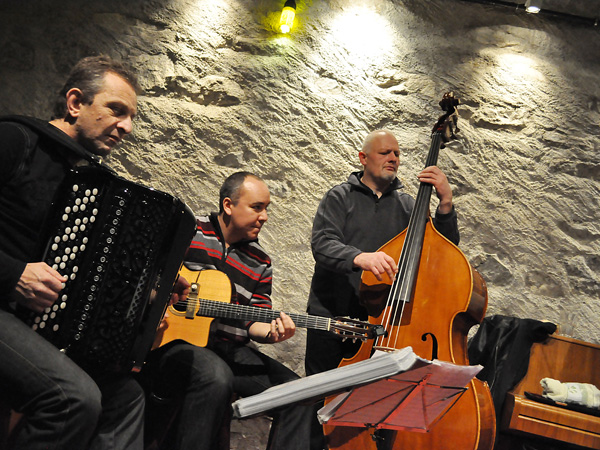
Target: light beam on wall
x: 363, y: 33
x: 287, y: 16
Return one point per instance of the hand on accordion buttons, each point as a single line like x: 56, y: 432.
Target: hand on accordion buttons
x: 39, y: 286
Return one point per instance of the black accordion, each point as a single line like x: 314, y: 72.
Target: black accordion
x: 121, y: 245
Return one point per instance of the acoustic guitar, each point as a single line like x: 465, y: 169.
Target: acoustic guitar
x: 210, y: 296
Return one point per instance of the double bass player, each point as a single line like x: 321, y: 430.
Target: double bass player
x: 353, y: 220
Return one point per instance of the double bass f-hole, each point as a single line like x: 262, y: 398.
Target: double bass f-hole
x: 434, y: 344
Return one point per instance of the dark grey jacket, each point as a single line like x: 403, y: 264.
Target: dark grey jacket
x: 350, y: 220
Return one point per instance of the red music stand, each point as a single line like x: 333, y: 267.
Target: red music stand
x: 413, y: 400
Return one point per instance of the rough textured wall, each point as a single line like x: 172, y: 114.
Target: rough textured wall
x: 223, y: 92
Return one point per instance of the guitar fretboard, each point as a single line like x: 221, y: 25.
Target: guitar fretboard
x: 210, y: 308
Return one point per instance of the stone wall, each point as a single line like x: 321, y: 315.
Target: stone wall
x: 224, y: 92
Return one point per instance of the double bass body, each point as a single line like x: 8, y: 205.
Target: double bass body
x: 449, y: 298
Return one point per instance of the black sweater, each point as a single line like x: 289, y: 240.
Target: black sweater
x: 34, y: 159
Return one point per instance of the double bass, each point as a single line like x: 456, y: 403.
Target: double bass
x: 430, y: 305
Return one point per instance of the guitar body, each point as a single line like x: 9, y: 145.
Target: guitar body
x: 182, y: 321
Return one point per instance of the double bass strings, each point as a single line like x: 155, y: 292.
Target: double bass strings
x: 403, y: 284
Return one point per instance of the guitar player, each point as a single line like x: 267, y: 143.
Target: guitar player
x: 201, y: 380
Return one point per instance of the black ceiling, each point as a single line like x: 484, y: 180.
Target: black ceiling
x: 587, y: 11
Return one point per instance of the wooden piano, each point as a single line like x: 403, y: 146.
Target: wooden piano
x: 567, y: 360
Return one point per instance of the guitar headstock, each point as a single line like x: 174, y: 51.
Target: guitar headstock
x: 356, y: 329
x: 447, y: 124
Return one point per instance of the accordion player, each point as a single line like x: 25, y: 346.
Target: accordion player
x: 120, y: 244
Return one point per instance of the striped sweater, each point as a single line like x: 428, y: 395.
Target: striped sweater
x: 247, y: 265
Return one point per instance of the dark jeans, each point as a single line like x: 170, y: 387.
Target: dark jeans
x: 202, y: 380
x: 253, y: 373
x: 324, y: 351
x: 192, y: 383
x: 64, y: 407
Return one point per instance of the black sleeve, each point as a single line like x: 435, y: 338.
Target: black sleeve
x: 14, y: 143
x: 447, y: 225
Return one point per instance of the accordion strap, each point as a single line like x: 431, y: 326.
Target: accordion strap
x: 67, y: 148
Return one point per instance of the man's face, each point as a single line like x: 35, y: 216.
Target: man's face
x: 102, y: 124
x: 381, y: 162
x: 249, y: 213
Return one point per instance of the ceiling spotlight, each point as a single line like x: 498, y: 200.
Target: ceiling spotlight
x: 533, y: 6
x: 287, y: 16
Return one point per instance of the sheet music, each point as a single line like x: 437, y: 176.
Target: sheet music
x: 380, y: 365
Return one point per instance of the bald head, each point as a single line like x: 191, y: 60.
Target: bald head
x: 376, y: 136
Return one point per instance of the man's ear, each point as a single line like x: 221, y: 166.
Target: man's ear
x: 362, y: 157
x: 227, y: 204
x: 74, y: 101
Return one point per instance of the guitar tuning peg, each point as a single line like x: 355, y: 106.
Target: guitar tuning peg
x: 344, y: 339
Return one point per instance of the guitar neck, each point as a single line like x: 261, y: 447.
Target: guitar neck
x: 210, y: 308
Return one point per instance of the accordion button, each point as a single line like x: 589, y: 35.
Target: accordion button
x: 54, y: 247
x: 75, y: 208
x: 78, y: 201
x: 55, y: 328
x: 65, y: 217
x: 77, y: 222
x: 62, y: 265
x: 82, y: 207
x: 95, y: 191
x: 75, y: 188
x: 88, y: 192
x: 68, y: 209
x: 63, y: 305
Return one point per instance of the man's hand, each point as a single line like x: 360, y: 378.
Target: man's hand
x: 278, y: 330
x: 180, y: 291
x: 39, y: 286
x: 378, y: 263
x: 433, y: 175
